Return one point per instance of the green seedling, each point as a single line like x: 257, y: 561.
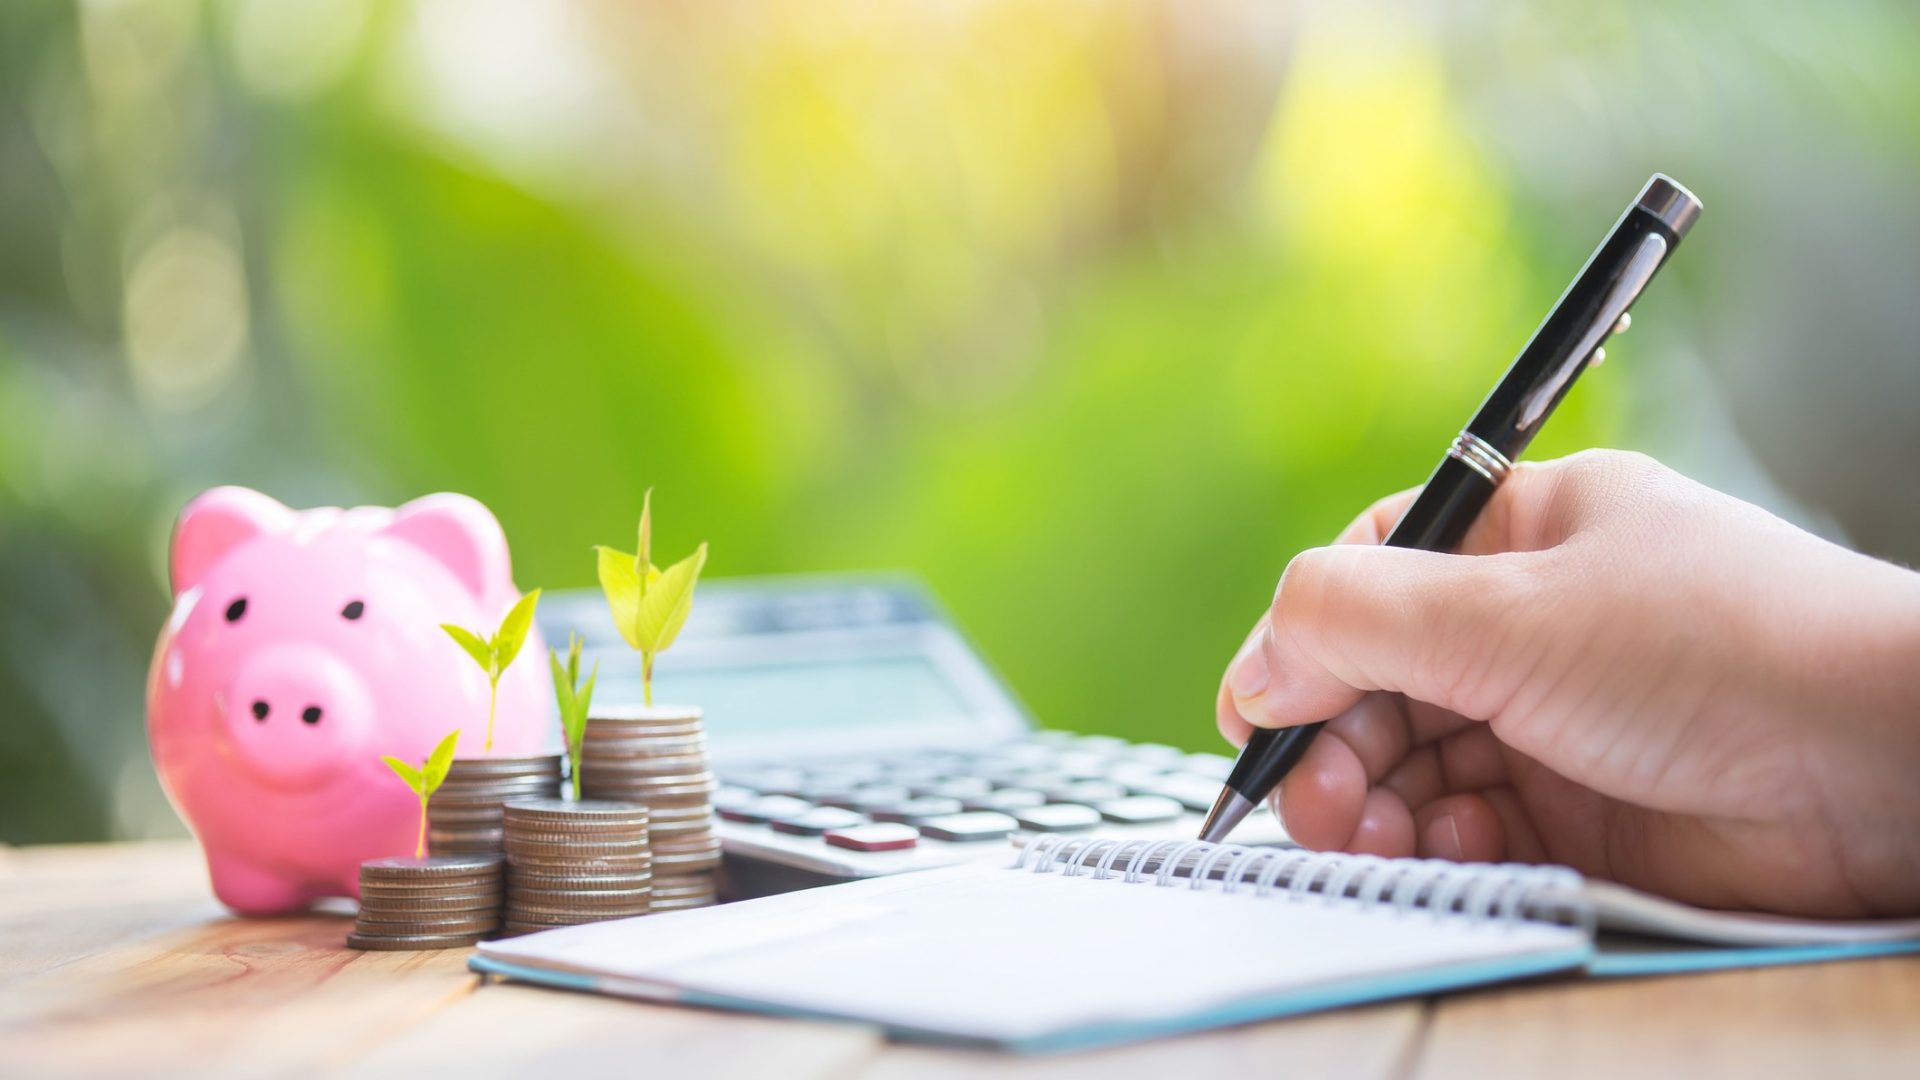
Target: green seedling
x: 649, y: 604
x: 425, y: 780
x: 495, y: 653
x: 575, y: 698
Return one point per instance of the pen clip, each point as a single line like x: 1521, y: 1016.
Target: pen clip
x: 1639, y: 271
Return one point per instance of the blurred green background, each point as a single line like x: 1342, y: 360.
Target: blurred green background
x: 1090, y: 313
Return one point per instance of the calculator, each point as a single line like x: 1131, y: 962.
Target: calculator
x: 856, y: 733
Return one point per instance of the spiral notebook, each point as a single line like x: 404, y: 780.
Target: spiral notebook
x: 1079, y: 943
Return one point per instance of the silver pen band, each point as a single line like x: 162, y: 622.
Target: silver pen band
x: 1473, y: 452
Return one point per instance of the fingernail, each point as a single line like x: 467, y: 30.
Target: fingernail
x: 1443, y: 838
x: 1248, y: 676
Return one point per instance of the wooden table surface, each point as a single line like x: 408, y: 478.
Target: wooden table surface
x: 116, y: 960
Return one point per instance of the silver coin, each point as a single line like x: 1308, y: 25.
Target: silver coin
x: 504, y: 765
x: 431, y: 868
x: 479, y: 794
x: 582, y: 913
x: 647, y: 714
x: 571, y: 881
x: 421, y: 941
x: 563, y: 844
x: 449, y: 889
x: 527, y: 923
x: 583, y: 810
x: 664, y: 906
x: 472, y: 924
x: 597, y: 865
x: 579, y: 897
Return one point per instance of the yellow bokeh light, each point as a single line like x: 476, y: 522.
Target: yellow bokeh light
x: 186, y: 320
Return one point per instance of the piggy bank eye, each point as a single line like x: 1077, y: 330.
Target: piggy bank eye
x: 353, y: 610
x: 236, y: 609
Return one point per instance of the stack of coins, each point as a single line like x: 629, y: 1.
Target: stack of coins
x: 657, y: 756
x: 575, y: 862
x: 463, y: 817
x: 441, y: 902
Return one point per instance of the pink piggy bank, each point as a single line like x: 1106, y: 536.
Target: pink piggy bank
x: 303, y: 645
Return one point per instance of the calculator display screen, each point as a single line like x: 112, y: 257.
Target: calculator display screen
x: 796, y: 667
x: 798, y: 695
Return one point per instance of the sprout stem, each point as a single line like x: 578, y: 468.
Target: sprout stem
x: 493, y: 699
x: 420, y: 844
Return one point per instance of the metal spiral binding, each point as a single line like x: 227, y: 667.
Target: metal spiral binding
x: 1503, y: 893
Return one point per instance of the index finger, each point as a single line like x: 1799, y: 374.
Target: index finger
x: 1376, y: 521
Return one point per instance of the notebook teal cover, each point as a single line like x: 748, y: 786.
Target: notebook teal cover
x: 1619, y: 955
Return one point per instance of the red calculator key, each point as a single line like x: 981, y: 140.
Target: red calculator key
x: 880, y: 836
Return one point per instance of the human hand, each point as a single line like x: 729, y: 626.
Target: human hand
x: 1624, y: 671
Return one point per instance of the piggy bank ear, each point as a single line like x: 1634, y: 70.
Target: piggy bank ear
x: 461, y: 535
x: 216, y: 523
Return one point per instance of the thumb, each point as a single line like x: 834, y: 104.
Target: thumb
x: 1352, y: 618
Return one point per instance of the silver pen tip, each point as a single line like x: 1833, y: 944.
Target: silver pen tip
x: 1229, y: 810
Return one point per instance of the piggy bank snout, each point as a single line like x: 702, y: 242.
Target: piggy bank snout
x: 296, y: 715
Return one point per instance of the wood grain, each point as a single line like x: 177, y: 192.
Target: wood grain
x: 513, y: 1030
x: 62, y: 902
x: 232, y: 996
x: 114, y: 960
x: 1857, y: 1018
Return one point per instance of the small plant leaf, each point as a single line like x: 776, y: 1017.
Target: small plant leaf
x: 583, y: 702
x: 474, y: 647
x: 562, y: 686
x: 668, y: 600
x: 644, y: 553
x: 573, y: 659
x: 408, y: 775
x: 437, y: 764
x: 513, y: 629
x: 622, y: 586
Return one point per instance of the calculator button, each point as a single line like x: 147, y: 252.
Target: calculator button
x: 1138, y: 810
x: 962, y: 828
x: 1101, y: 744
x: 770, y: 781
x: 1043, y: 781
x: 880, y: 836
x: 1083, y: 766
x: 827, y: 791
x: 1024, y: 753
x: 959, y: 787
x: 867, y: 798
x: 766, y: 808
x: 856, y: 773
x: 1058, y: 817
x: 1154, y: 753
x: 1006, y: 800
x: 1000, y: 773
x: 817, y: 821
x: 728, y: 796
x: 1053, y: 739
x: 915, y: 775
x: 1192, y: 792
x: 1136, y: 777
x: 1086, y: 792
x: 913, y: 811
x: 1211, y: 766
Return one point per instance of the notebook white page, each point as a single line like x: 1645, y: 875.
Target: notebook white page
x: 984, y: 951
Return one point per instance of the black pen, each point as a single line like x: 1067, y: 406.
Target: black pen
x: 1593, y: 307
